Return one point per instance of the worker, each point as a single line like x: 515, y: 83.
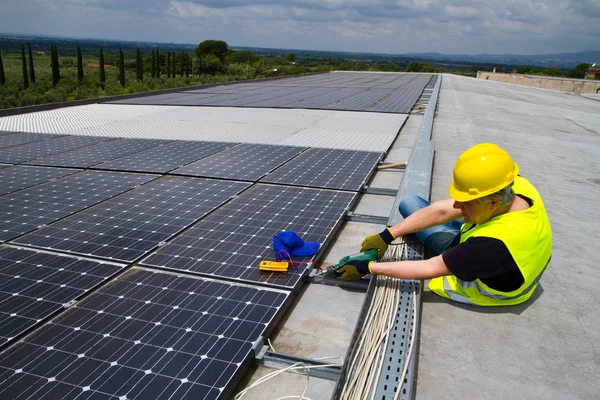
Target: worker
x: 495, y: 257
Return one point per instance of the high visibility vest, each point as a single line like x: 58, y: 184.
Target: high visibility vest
x: 528, y: 237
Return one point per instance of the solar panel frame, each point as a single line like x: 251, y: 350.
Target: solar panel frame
x: 11, y: 139
x: 28, y: 209
x: 165, y: 158
x: 230, y: 243
x: 145, y: 335
x: 20, y: 177
x: 131, y: 225
x: 327, y: 168
x: 245, y: 162
x: 43, y: 148
x: 98, y: 153
x: 35, y: 285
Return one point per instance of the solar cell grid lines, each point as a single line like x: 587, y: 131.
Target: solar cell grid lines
x: 21, y: 177
x: 247, y: 162
x: 25, y: 210
x: 10, y: 139
x: 327, y: 168
x: 43, y: 148
x: 165, y: 158
x: 35, y: 285
x: 128, y: 226
x: 146, y: 335
x: 98, y: 153
x: 235, y: 238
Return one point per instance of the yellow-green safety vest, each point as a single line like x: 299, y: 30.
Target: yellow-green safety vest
x: 528, y: 237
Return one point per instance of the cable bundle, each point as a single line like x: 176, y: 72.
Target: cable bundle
x: 366, y: 360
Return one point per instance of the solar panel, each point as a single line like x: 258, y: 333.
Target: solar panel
x: 35, y: 285
x: 44, y: 148
x: 403, y: 98
x: 146, y: 335
x: 25, y: 210
x: 232, y: 241
x: 5, y: 165
x: 98, y: 153
x: 327, y: 168
x: 128, y: 226
x: 165, y: 158
x: 15, y: 139
x: 21, y: 177
x: 248, y: 162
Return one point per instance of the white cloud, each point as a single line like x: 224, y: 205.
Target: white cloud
x: 387, y: 26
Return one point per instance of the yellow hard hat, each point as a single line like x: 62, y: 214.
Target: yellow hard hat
x: 481, y: 170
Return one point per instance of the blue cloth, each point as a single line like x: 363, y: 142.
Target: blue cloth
x: 436, y: 239
x: 289, y: 243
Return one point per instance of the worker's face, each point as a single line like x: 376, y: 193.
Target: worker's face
x: 475, y: 212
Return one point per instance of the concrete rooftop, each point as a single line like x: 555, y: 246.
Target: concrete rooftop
x: 547, y: 348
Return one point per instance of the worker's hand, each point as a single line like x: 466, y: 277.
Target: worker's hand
x: 353, y: 270
x: 379, y: 242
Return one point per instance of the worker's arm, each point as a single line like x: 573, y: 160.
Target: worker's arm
x: 418, y: 270
x: 436, y: 213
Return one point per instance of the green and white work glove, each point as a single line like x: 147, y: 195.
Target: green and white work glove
x: 379, y: 242
x: 354, y: 267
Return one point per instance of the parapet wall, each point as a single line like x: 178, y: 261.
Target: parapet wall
x: 576, y: 86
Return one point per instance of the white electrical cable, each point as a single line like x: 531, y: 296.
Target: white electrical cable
x: 366, y: 361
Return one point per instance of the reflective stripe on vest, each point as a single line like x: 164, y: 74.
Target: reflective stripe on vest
x: 467, y: 285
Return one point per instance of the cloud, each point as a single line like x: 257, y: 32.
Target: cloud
x: 387, y: 26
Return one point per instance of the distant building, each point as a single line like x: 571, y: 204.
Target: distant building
x: 40, y: 53
x: 593, y: 73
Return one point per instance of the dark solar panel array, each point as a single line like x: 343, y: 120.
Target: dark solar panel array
x: 380, y: 92
x: 155, y: 334
x: 35, y: 285
x: 31, y: 151
x: 128, y: 226
x: 146, y: 335
x: 21, y: 177
x: 25, y: 210
x: 10, y: 139
x: 98, y: 153
x: 327, y: 168
x: 165, y: 158
x: 247, y: 162
x: 232, y: 241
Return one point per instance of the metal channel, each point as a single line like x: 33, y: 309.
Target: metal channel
x: 417, y: 176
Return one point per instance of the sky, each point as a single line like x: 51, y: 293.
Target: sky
x: 377, y: 26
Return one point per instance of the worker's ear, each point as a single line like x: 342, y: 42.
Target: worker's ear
x: 494, y: 203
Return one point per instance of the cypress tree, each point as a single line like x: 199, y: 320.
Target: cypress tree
x: 55, y: 67
x: 102, y: 73
x: 121, y: 68
x: 174, y: 64
x: 139, y: 65
x: 24, y: 63
x: 153, y: 65
x: 157, y: 63
x: 168, y: 64
x: 79, y: 65
x: 2, y: 76
x: 31, y: 70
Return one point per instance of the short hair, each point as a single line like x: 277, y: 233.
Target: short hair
x: 505, y: 196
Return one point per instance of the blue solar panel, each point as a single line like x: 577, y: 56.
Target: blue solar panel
x: 130, y: 225
x: 232, y: 241
x: 21, y: 177
x: 246, y: 162
x: 146, y: 335
x: 25, y: 210
x: 35, y: 285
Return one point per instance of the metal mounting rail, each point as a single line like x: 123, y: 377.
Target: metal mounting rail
x: 273, y: 359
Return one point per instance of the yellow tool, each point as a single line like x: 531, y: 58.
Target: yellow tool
x: 280, y: 266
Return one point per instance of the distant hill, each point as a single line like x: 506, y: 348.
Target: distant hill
x: 559, y: 60
x: 12, y: 42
